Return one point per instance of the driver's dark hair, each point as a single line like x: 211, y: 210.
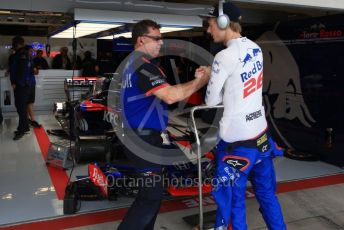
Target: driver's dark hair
x: 142, y: 27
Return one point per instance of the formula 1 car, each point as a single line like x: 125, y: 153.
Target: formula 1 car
x: 109, y: 181
x: 86, y: 118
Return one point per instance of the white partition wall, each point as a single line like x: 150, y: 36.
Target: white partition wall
x: 49, y: 89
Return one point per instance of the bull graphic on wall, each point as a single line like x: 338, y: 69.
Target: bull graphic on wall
x: 282, y: 78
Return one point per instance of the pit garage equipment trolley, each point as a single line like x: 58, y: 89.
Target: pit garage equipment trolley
x: 199, y: 157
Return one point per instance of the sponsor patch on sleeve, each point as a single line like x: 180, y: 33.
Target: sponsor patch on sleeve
x: 150, y: 79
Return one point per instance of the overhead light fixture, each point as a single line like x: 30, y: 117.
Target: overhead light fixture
x: 163, y: 29
x: 5, y: 11
x: 167, y: 29
x: 85, y: 28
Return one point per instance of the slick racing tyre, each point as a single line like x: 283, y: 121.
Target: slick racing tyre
x: 77, y: 151
x: 71, y: 201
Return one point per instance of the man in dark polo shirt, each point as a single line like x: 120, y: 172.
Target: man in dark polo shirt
x: 145, y: 96
x: 21, y: 71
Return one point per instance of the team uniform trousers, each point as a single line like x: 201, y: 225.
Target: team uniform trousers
x: 143, y: 212
x: 257, y: 167
x: 21, y: 96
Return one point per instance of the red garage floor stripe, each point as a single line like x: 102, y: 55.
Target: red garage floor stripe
x: 167, y: 206
x: 58, y: 177
x: 310, y: 183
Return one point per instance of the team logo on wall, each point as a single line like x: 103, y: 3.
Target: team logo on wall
x: 282, y: 78
x: 320, y: 31
x: 37, y: 46
x: 282, y: 82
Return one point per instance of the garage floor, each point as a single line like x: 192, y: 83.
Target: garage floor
x: 316, y: 209
x: 311, y: 193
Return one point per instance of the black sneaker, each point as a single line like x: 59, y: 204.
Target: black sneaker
x: 26, y: 131
x: 18, y: 135
x: 34, y: 124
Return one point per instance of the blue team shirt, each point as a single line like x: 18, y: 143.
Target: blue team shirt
x: 21, y: 68
x: 141, y: 109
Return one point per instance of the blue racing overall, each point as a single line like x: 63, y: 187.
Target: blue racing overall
x: 237, y: 162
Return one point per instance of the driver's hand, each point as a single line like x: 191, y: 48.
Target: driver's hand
x: 203, y: 71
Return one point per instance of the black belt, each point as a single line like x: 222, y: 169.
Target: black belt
x: 257, y: 142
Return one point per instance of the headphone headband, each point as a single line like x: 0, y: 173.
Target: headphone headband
x: 223, y: 19
x: 221, y: 2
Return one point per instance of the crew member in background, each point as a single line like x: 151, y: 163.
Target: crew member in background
x: 147, y: 117
x: 32, y: 91
x: 246, y: 147
x: 21, y: 69
x: 39, y: 61
x: 89, y: 65
x: 105, y: 63
x: 62, y: 61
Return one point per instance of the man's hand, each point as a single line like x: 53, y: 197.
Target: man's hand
x: 175, y: 93
x: 13, y: 86
x: 202, y: 75
x: 203, y: 71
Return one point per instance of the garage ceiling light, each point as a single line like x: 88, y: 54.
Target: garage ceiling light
x: 5, y: 12
x: 163, y: 29
x: 85, y: 28
x: 133, y: 17
x: 167, y: 29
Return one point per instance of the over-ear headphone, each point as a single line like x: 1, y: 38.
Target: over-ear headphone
x: 223, y: 19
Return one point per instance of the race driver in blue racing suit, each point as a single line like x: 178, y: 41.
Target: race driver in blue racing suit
x: 246, y: 149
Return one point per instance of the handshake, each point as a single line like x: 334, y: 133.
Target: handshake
x: 203, y: 72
